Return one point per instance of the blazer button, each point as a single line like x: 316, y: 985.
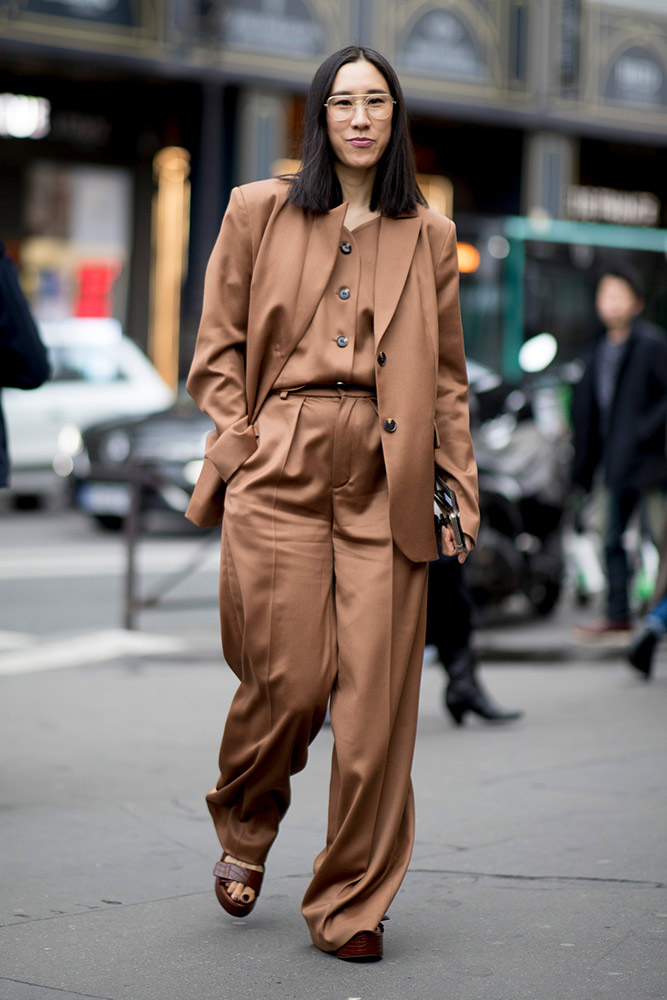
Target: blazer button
x: 390, y: 425
x: 382, y: 359
x: 344, y: 293
x: 342, y: 341
x: 346, y: 248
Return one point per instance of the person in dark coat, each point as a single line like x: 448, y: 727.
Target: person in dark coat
x: 619, y: 419
x: 23, y: 359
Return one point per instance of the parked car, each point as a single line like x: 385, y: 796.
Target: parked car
x: 97, y: 373
x: 165, y: 449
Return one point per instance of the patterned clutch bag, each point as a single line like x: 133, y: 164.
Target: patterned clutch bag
x: 446, y: 512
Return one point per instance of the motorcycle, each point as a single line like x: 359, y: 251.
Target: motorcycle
x: 523, y: 451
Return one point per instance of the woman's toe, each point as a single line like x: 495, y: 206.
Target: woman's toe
x: 240, y: 893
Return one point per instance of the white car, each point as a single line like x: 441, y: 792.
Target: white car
x: 96, y: 374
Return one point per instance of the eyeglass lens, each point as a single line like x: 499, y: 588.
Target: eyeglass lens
x: 377, y: 105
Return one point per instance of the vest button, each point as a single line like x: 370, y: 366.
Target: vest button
x: 344, y: 293
x: 382, y: 359
x: 390, y: 425
x: 346, y: 248
x: 342, y: 341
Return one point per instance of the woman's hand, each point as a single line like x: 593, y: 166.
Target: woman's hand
x: 448, y: 545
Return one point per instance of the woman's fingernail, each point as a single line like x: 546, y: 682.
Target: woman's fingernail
x: 245, y: 898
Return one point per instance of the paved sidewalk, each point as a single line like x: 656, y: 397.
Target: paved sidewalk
x: 540, y: 868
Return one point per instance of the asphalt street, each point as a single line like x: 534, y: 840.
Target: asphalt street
x: 540, y: 865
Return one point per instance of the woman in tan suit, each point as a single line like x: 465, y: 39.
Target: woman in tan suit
x: 330, y: 357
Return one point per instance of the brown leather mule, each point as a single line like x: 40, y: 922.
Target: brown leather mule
x: 366, y: 946
x: 226, y: 872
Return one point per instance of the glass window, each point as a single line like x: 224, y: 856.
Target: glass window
x: 85, y: 363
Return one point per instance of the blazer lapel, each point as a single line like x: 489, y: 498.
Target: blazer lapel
x: 318, y: 264
x: 396, y: 247
x: 306, y: 271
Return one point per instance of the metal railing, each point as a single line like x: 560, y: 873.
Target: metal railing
x: 142, y: 479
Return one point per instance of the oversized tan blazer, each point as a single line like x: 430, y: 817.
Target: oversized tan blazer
x: 268, y: 270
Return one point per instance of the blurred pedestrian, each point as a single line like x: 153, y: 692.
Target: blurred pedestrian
x: 449, y: 629
x: 641, y: 651
x: 619, y: 420
x: 23, y: 359
x: 330, y: 357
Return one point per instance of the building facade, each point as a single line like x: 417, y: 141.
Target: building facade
x: 541, y: 109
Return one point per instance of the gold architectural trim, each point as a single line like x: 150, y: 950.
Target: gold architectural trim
x: 399, y: 18
x: 474, y: 95
x: 334, y: 18
x: 24, y: 26
x: 257, y: 65
x: 590, y: 107
x: 624, y: 31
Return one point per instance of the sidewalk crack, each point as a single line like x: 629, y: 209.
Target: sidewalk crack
x: 55, y: 989
x: 91, y: 910
x: 564, y: 879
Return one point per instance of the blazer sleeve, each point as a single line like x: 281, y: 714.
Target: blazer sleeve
x: 454, y: 453
x: 217, y: 376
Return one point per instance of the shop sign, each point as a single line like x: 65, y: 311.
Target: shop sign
x: 638, y: 78
x: 280, y: 26
x: 441, y: 44
x: 629, y: 208
x: 23, y: 117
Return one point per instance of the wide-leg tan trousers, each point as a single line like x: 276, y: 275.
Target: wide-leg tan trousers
x: 317, y: 603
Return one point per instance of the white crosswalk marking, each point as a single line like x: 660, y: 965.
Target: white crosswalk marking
x: 14, y: 640
x: 25, y: 654
x: 103, y: 562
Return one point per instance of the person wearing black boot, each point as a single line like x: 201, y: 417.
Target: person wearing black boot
x: 448, y: 628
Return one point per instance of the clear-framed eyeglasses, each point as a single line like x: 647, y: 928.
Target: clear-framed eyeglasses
x: 341, y: 107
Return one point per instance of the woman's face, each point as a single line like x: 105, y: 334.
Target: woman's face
x: 360, y: 141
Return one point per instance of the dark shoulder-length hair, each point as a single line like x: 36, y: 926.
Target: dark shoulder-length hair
x: 315, y: 187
